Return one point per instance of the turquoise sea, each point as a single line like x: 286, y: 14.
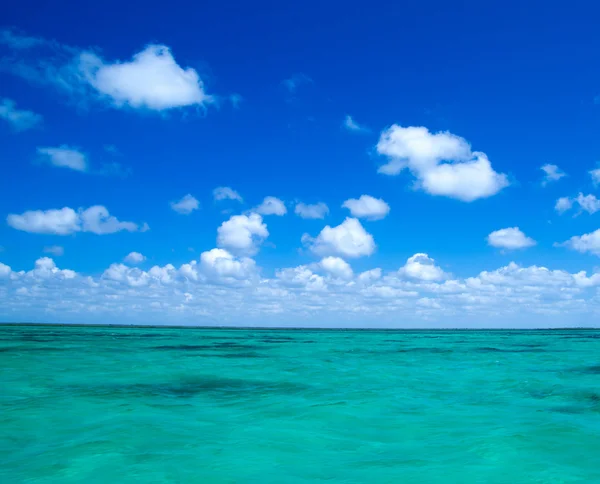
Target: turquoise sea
x: 161, y: 405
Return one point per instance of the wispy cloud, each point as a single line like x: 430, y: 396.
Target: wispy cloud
x: 19, y: 119
x: 552, y: 173
x: 352, y: 125
x: 295, y: 81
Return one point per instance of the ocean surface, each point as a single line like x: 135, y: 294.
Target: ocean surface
x: 160, y: 405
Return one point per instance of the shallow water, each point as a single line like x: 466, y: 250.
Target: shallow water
x: 80, y: 404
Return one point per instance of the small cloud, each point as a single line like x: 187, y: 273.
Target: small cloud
x: 314, y: 211
x: 65, y: 157
x: 55, y: 250
x: 510, y: 238
x: 295, y: 81
x: 552, y: 173
x: 226, y: 193
x: 19, y: 119
x: 271, y: 206
x: 367, y: 207
x: 112, y: 149
x: 134, y: 258
x: 352, y: 125
x: 186, y: 205
x: 114, y: 169
x: 236, y: 100
x: 595, y: 174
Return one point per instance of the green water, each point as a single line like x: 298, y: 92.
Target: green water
x: 254, y: 406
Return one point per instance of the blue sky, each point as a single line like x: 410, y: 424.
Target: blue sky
x: 439, y: 136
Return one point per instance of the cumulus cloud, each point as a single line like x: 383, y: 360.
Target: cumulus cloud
x: 422, y: 267
x: 349, y: 239
x: 367, y: 207
x: 226, y: 193
x: 66, y: 221
x: 186, y: 205
x: 595, y: 174
x: 152, y: 79
x: 443, y: 163
x: 222, y: 264
x: 134, y: 258
x: 584, y: 243
x: 352, y: 125
x: 314, y: 211
x: 19, y: 119
x: 242, y: 234
x: 586, y: 203
x: 271, y: 206
x: 221, y: 288
x: 337, y: 267
x: 551, y: 173
x: 64, y: 157
x: 510, y: 238
x: 55, y: 250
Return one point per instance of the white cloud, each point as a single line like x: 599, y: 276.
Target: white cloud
x: 510, y: 238
x: 226, y: 193
x: 66, y: 221
x: 563, y: 204
x: 584, y: 243
x: 352, y: 125
x: 315, y: 211
x: 271, y: 206
x: 422, y: 267
x: 55, y: 250
x: 349, y: 239
x: 242, y: 233
x: 64, y: 157
x: 151, y: 80
x: 223, y: 265
x: 186, y: 205
x: 337, y: 267
x: 443, y: 163
x: 134, y: 258
x: 19, y: 119
x: 62, y: 221
x: 587, y: 203
x: 367, y: 207
x: 97, y: 220
x: 551, y: 173
x: 225, y: 290
x: 595, y: 174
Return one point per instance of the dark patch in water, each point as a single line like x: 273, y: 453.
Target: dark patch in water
x: 489, y: 349
x: 184, y: 347
x: 221, y: 388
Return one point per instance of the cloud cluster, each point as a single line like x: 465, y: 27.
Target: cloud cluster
x: 225, y: 289
x: 442, y: 163
x: 66, y: 221
x: 587, y: 203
